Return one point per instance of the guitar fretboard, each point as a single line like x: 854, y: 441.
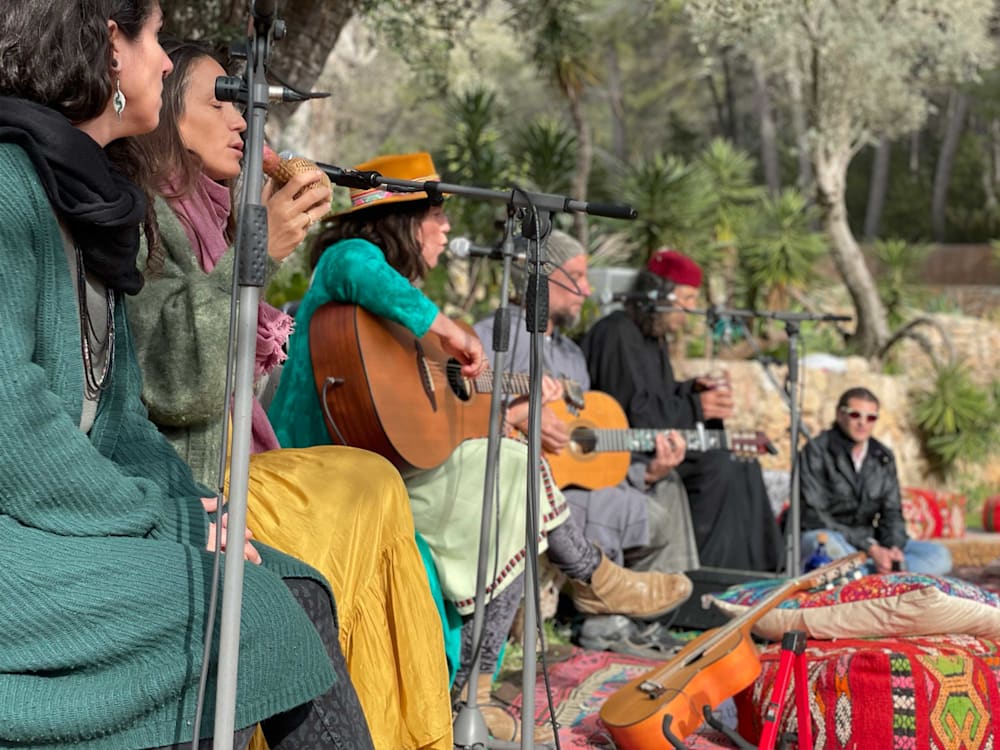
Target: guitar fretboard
x: 510, y: 382
x: 513, y: 382
x: 636, y: 440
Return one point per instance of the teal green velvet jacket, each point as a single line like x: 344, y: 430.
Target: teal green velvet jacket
x: 350, y: 271
x: 104, y: 576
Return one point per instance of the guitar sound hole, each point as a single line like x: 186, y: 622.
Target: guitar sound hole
x: 458, y: 384
x: 584, y: 439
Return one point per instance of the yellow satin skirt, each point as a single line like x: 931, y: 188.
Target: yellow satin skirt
x: 346, y: 512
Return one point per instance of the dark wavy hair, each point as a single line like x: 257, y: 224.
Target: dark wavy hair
x: 645, y: 313
x: 391, y: 226
x: 58, y: 53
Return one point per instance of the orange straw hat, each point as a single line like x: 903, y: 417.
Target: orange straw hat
x: 416, y: 166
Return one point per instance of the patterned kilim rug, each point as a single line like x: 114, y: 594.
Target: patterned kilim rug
x: 580, y: 684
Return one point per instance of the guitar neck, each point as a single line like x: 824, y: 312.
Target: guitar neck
x: 510, y: 382
x: 636, y: 440
x: 829, y: 573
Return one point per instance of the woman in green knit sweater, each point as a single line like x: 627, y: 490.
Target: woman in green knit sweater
x: 103, y: 530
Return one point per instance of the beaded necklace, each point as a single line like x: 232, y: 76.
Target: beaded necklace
x: 94, y: 384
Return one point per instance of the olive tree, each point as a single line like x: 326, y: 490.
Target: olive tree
x: 866, y: 69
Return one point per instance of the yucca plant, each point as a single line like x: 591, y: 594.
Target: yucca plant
x: 675, y: 203
x: 779, y: 248
x: 900, y: 264
x: 545, y: 154
x: 956, y: 418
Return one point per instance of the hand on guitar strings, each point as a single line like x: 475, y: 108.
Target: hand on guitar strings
x: 250, y: 553
x: 462, y: 344
x: 555, y: 433
x: 670, y: 449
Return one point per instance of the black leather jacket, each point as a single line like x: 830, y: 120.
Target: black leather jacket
x: 860, y: 505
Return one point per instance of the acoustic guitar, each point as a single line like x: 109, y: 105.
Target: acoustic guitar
x: 600, y: 442
x: 714, y: 666
x: 403, y: 397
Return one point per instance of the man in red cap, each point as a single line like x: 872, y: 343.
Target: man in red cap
x: 628, y: 357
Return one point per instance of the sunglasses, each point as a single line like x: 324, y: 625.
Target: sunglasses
x: 854, y: 414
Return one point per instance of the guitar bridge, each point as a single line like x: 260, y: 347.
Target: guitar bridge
x: 652, y: 689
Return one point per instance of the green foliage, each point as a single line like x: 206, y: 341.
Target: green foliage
x: 779, y: 248
x: 291, y: 281
x: 956, y: 418
x: 900, y: 264
x: 675, y: 203
x: 441, y: 23
x: 559, y: 40
x: 474, y: 155
x: 545, y: 154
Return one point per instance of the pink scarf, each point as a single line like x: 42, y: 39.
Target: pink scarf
x: 203, y: 213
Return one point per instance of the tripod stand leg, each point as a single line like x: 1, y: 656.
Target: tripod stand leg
x: 792, y: 656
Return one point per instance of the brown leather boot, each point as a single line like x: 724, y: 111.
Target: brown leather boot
x: 614, y: 590
x: 501, y: 724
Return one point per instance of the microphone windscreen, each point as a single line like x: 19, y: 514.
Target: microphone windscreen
x: 459, y: 247
x: 284, y: 166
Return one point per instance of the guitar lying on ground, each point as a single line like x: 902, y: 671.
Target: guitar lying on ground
x: 601, y: 442
x: 405, y: 398
x: 714, y: 666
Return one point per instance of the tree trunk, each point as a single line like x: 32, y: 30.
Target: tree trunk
x: 958, y: 105
x: 768, y: 147
x: 877, y: 188
x: 799, y: 127
x: 312, y: 30
x: 914, y: 152
x: 727, y: 78
x: 720, y: 116
x: 298, y: 59
x: 988, y: 176
x: 872, y: 327
x: 584, y: 159
x: 616, y: 103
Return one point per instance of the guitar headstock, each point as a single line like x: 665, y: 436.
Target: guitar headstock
x: 751, y: 444
x: 832, y: 572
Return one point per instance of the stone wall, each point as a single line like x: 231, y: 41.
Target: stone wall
x: 760, y: 406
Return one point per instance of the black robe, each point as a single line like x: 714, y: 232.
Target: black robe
x: 734, y: 526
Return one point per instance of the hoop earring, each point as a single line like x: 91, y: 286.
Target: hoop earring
x: 119, y: 98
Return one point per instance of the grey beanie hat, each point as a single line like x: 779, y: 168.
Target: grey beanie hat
x: 560, y: 248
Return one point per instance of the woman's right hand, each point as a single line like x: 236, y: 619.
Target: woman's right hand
x: 250, y: 553
x: 460, y: 343
x: 289, y: 217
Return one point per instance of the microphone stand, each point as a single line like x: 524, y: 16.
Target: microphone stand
x: 469, y: 727
x: 792, y: 321
x: 251, y: 264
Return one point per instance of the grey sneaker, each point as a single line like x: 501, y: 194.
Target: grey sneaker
x: 600, y: 632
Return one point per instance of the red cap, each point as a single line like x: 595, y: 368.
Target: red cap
x: 675, y: 267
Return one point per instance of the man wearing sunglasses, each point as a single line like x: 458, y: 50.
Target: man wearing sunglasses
x: 850, y: 492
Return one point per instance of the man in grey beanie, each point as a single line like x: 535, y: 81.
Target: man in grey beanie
x: 643, y: 522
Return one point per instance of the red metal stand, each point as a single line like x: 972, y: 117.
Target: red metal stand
x: 793, y: 655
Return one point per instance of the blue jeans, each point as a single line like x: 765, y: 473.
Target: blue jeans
x: 921, y: 556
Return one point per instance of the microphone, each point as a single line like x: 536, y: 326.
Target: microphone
x: 652, y: 295
x: 263, y: 11
x: 233, y: 89
x: 462, y: 247
x: 351, y: 178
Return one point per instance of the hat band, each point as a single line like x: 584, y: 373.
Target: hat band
x: 366, y: 197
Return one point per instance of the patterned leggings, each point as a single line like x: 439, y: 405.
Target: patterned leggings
x: 332, y: 721
x: 570, y: 552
